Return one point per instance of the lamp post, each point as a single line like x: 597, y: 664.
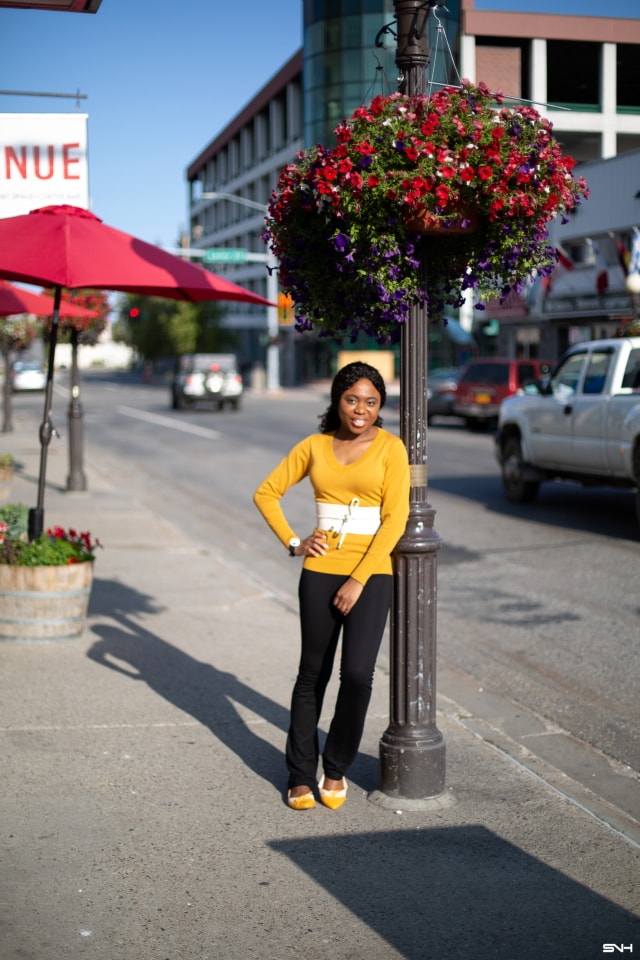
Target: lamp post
x: 412, y: 749
x: 76, y: 479
x: 273, y: 350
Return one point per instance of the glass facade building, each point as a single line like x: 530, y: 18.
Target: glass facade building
x: 349, y: 56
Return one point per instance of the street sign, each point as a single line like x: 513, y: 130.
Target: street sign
x: 224, y: 255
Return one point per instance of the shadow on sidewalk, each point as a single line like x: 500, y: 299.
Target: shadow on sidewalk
x: 197, y: 688
x: 455, y: 893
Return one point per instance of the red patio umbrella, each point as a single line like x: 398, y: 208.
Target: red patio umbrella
x: 65, y: 246
x: 15, y: 300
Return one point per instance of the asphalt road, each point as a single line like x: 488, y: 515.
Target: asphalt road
x: 538, y: 603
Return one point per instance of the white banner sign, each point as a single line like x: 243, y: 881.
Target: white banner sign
x: 43, y: 161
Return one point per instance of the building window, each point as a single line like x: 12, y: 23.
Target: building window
x: 573, y: 74
x: 581, y: 145
x: 627, y: 141
x: 628, y: 95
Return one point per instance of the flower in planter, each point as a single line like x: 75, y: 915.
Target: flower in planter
x: 55, y: 548
x: 456, y: 179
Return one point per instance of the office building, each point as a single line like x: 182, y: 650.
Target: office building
x: 579, y: 71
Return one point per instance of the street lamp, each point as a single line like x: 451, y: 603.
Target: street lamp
x: 273, y: 350
x: 412, y: 749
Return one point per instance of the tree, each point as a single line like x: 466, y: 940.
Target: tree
x: 158, y: 328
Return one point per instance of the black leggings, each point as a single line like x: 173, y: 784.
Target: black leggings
x: 362, y: 631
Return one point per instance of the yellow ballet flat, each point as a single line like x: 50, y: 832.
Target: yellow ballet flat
x: 332, y: 798
x: 306, y: 802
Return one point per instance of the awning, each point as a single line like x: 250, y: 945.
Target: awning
x: 455, y: 332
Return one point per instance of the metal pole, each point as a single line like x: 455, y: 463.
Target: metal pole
x: 76, y: 479
x: 36, y: 514
x: 412, y: 749
x: 7, y: 406
x: 273, y: 330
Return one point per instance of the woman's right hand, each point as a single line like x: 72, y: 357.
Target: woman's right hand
x: 315, y: 545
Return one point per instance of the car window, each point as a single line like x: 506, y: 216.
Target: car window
x: 631, y: 379
x: 526, y: 373
x: 565, y: 380
x: 494, y: 374
x: 596, y: 374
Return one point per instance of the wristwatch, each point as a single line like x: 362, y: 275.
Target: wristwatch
x: 293, y: 543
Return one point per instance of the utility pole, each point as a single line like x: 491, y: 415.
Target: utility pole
x: 412, y: 749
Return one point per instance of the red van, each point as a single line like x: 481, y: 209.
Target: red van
x: 487, y: 381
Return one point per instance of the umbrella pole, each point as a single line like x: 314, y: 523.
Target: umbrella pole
x: 36, y: 514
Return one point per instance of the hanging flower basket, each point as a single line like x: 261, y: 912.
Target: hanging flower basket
x: 483, y: 180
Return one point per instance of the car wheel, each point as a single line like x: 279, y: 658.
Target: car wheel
x: 234, y: 404
x: 516, y: 488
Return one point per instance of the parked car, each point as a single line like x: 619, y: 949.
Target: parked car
x: 28, y: 375
x: 582, y: 425
x: 207, y: 378
x: 486, y: 381
x: 441, y: 391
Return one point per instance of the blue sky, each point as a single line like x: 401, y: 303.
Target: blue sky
x: 162, y: 79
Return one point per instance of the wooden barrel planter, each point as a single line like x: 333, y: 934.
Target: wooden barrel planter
x: 44, y: 603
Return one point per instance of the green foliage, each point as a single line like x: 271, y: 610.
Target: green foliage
x: 6, y: 460
x: 167, y: 328
x: 16, y: 517
x: 55, y: 548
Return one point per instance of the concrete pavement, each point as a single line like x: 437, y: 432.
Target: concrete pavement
x: 142, y: 782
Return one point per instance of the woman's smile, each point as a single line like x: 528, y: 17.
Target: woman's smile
x: 358, y: 409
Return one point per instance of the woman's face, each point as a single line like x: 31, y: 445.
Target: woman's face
x: 358, y: 408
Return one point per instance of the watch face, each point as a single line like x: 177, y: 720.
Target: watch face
x: 294, y: 542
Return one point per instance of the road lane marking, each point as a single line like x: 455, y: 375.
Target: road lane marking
x: 169, y: 422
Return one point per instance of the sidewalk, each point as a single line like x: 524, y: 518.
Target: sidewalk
x: 142, y: 770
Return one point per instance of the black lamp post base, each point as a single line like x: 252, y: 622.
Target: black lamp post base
x: 412, y: 771
x: 403, y: 804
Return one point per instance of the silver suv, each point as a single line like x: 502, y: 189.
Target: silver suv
x: 207, y: 378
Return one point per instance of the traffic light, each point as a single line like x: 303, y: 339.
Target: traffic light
x: 134, y: 313
x: 285, y: 310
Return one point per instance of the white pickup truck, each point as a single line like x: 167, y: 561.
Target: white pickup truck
x: 582, y: 424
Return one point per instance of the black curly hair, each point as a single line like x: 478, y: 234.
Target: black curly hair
x: 345, y: 378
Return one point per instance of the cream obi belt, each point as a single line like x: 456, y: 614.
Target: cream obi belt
x: 341, y: 519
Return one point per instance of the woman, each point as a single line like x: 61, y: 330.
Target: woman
x: 360, y: 477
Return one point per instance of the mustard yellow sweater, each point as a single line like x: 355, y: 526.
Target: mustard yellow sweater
x: 379, y: 478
